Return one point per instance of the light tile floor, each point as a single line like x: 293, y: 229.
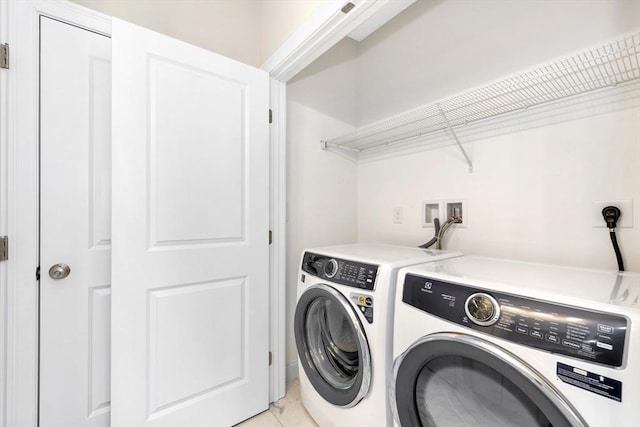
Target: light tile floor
x: 286, y: 412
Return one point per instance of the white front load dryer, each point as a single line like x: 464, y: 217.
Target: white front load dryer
x: 488, y: 342
x: 343, y: 330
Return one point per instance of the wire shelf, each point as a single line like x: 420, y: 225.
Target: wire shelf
x: 601, y: 67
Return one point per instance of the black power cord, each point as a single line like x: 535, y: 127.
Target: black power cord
x: 611, y: 214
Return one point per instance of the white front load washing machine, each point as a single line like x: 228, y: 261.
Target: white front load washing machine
x: 488, y: 342
x: 343, y: 329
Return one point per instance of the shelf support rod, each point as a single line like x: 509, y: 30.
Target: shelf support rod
x: 453, y: 133
x: 326, y: 144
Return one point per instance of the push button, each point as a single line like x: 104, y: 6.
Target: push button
x: 571, y: 344
x: 552, y: 338
x: 604, y: 345
x: 587, y: 348
x: 536, y: 334
x: 605, y: 329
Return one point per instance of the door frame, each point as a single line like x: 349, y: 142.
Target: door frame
x: 19, y: 171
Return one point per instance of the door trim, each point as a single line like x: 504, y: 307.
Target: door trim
x: 4, y: 89
x: 19, y: 182
x: 277, y: 250
x: 324, y: 28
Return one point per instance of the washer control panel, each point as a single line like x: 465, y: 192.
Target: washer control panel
x: 583, y: 334
x: 345, y: 272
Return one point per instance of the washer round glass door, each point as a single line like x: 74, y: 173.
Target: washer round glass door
x: 332, y: 346
x: 449, y: 379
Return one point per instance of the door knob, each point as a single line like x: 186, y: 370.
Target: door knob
x: 59, y: 271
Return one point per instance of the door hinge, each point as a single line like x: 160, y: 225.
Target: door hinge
x: 4, y: 248
x: 270, y: 237
x: 4, y: 55
x: 270, y: 358
x: 270, y: 116
x: 38, y: 273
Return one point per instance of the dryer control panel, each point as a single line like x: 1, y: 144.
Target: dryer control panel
x: 583, y: 334
x: 345, y: 272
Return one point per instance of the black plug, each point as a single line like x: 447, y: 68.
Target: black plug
x: 611, y: 214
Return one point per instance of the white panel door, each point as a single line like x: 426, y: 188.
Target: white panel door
x: 75, y: 225
x: 190, y: 234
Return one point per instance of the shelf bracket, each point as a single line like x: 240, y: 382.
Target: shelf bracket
x: 453, y: 133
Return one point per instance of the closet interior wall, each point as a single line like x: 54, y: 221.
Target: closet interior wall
x: 532, y: 190
x: 322, y: 188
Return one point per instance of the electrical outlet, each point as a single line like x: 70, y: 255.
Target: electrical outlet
x: 397, y: 215
x: 430, y: 211
x: 456, y: 208
x: 626, y: 213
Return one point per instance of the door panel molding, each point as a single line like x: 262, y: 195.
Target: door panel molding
x: 219, y: 215
x: 164, y: 395
x: 99, y: 302
x: 99, y: 192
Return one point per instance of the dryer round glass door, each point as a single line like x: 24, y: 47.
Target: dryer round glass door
x: 454, y: 379
x: 332, y: 346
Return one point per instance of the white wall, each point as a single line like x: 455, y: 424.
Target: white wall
x: 531, y: 192
x: 248, y: 31
x: 529, y: 197
x: 321, y: 187
x: 279, y: 19
x: 230, y: 28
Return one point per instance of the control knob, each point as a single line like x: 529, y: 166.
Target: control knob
x: 330, y: 268
x: 482, y: 309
